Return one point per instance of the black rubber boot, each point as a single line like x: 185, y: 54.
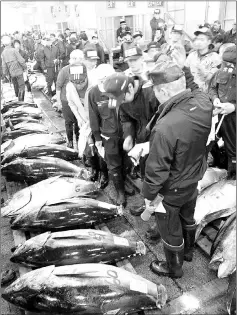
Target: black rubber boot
x: 153, y: 233
x: 189, y: 240
x: 119, y: 186
x: 49, y: 93
x: 172, y: 267
x: 137, y: 211
x: 129, y: 190
x: 92, y: 163
x: 21, y: 96
x: 70, y: 144
x: 103, y: 179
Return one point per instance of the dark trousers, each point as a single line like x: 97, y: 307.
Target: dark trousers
x: 180, y: 206
x: 18, y: 84
x: 51, y: 76
x: 116, y: 159
x: 70, y: 121
x: 38, y: 66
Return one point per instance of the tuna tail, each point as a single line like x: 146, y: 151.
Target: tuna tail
x: 141, y: 248
x: 225, y: 270
x: 161, y: 296
x: 216, y: 261
x: 213, y: 216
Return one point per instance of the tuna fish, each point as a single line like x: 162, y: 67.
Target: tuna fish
x: 20, y: 143
x: 35, y: 170
x: 28, y: 119
x: 216, y: 201
x: 14, y: 104
x: 18, y: 132
x: 231, y: 295
x: 211, y: 176
x: 23, y: 111
x: 84, y: 289
x: 52, y: 150
x: 224, y: 256
x: 75, y: 247
x: 51, y: 190
x: 70, y: 213
x: 31, y: 126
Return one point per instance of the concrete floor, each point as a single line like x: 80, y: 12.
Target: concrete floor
x: 198, y: 282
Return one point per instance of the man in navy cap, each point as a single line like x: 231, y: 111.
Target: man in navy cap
x: 122, y: 29
x: 176, y: 163
x: 223, y: 94
x: 133, y: 55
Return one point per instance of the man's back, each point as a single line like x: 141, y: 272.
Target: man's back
x: 181, y: 136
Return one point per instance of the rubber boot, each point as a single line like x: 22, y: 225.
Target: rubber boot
x: 129, y: 190
x: 153, y: 232
x: 137, y: 211
x: 21, y: 96
x: 119, y: 187
x: 49, y: 93
x: 92, y: 163
x: 103, y: 179
x: 70, y: 144
x: 172, y: 267
x: 189, y: 240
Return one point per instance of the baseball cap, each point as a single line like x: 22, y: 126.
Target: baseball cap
x: 137, y: 33
x: 177, y: 29
x: 94, y: 36
x: 115, y: 86
x: 205, y: 31
x: 164, y: 71
x: 157, y: 11
x: 122, y: 21
x: 90, y: 52
x: 132, y: 53
x: 104, y: 70
x: 229, y: 54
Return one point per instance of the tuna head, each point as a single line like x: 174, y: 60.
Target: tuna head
x: 34, y: 247
x: 23, y: 292
x: 21, y: 221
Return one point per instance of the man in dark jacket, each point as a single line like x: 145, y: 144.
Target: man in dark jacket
x: 13, y: 66
x: 39, y: 50
x: 122, y: 30
x: 176, y: 163
x: 61, y: 49
x: 159, y: 37
x: 157, y: 22
x: 230, y: 36
x: 100, y: 50
x: 216, y: 29
x: 223, y: 94
x: 49, y: 63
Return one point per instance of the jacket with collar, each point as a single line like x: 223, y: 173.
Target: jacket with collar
x: 178, y: 143
x: 13, y: 63
x: 50, y: 53
x: 134, y: 116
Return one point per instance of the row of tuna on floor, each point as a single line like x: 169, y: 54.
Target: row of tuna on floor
x: 61, y: 199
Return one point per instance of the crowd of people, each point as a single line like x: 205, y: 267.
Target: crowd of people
x: 156, y: 119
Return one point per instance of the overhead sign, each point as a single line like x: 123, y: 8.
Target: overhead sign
x: 131, y: 4
x: 110, y: 4
x: 154, y: 4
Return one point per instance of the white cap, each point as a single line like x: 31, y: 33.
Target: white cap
x: 6, y: 40
x: 104, y: 70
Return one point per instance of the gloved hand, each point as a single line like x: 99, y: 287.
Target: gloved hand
x: 57, y: 106
x: 216, y: 102
x: 226, y: 108
x: 100, y: 148
x: 128, y: 143
x: 136, y: 150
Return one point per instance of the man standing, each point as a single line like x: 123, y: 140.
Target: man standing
x: 203, y: 62
x: 176, y: 163
x: 49, y: 63
x: 230, y: 36
x: 61, y: 49
x: 13, y: 66
x: 159, y: 37
x: 157, y: 22
x: 122, y: 29
x: 76, y: 58
x: 100, y: 50
x: 39, y: 49
x: 134, y: 57
x: 84, y: 40
x: 216, y: 29
x: 223, y: 94
x: 67, y: 35
x: 90, y: 60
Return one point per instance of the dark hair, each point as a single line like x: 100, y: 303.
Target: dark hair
x: 217, y: 22
x: 84, y: 37
x: 61, y: 36
x: 16, y: 41
x: 67, y: 29
x: 52, y: 34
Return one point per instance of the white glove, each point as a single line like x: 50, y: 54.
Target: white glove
x: 216, y: 102
x: 100, y: 148
x: 136, y: 150
x: 128, y: 143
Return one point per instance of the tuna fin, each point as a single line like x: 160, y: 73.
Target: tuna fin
x: 224, y: 270
x: 216, y: 261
